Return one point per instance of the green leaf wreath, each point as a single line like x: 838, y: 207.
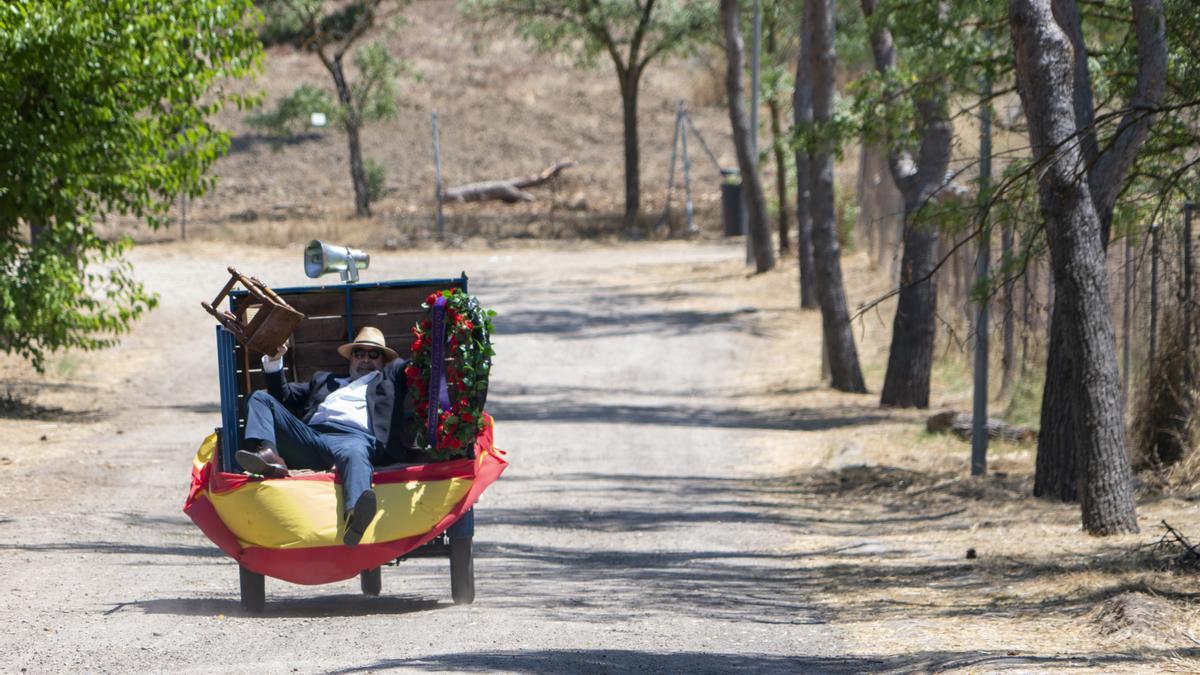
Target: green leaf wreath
x: 468, y: 365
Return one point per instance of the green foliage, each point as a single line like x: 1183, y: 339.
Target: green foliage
x: 279, y: 28
x: 292, y: 113
x: 330, y: 32
x: 846, y: 209
x: 304, y: 24
x: 466, y: 366
x: 373, y: 98
x: 937, y: 44
x: 375, y: 92
x: 1165, y: 173
x: 106, y: 109
x: 376, y: 179
x: 587, y: 29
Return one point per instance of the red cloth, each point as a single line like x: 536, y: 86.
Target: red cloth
x: 327, y: 564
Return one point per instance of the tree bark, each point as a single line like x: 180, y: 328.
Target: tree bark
x: 1056, y: 473
x: 785, y: 244
x: 781, y: 191
x: 1057, y: 451
x: 509, y: 190
x: 1007, y: 331
x: 630, y: 79
x: 844, y: 370
x: 756, y: 206
x: 910, y: 358
x: 358, y: 175
x: 1047, y: 80
x: 802, y: 119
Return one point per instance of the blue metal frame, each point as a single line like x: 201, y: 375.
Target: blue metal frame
x: 464, y: 527
x: 227, y: 377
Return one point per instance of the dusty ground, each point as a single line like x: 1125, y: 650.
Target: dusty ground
x: 685, y: 496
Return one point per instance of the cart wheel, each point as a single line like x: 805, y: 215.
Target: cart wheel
x: 254, y: 594
x: 462, y: 571
x: 372, y: 581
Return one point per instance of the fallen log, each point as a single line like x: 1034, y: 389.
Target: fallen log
x: 508, y: 191
x: 959, y: 424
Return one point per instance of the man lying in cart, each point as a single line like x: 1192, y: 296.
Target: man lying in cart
x: 342, y: 421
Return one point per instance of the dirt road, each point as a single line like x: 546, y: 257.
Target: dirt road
x: 684, y: 496
x: 629, y: 534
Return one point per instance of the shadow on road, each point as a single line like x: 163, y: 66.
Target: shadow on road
x: 117, y: 548
x: 316, y: 607
x: 621, y: 660
x: 16, y: 407
x: 559, y: 408
x: 598, y: 323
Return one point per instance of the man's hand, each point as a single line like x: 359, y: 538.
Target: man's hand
x: 273, y: 363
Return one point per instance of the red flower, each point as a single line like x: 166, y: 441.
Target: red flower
x: 466, y: 417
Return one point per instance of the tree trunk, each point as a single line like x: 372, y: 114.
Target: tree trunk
x: 1056, y: 474
x: 910, y: 358
x: 781, y: 191
x: 802, y: 119
x: 785, y: 245
x: 1059, y: 461
x: 844, y: 371
x: 1007, y: 354
x: 919, y: 179
x: 358, y: 175
x: 629, y: 103
x: 756, y: 206
x: 1046, y: 80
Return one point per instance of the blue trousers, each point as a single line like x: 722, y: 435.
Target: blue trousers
x: 349, y: 451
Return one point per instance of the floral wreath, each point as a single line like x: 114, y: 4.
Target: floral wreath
x: 468, y: 363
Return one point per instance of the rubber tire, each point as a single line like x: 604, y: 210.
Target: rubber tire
x: 372, y: 581
x: 462, y: 571
x: 254, y: 591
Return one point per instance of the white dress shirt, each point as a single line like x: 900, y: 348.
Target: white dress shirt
x: 346, y: 405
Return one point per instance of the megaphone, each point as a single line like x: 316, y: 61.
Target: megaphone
x: 321, y: 258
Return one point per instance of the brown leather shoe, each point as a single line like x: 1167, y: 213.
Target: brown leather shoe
x: 265, y: 461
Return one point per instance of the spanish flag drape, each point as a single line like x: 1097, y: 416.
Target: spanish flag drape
x: 291, y: 529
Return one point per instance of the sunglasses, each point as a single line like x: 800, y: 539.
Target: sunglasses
x: 366, y: 353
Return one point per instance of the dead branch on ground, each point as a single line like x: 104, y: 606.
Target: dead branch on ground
x: 508, y: 191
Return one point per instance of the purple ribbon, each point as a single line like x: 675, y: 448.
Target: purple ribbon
x: 438, y: 396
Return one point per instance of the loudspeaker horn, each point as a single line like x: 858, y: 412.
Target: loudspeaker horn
x: 321, y: 258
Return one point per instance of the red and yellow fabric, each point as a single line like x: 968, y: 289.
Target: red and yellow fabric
x: 291, y: 529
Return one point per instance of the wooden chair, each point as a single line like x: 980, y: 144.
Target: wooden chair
x: 272, y: 320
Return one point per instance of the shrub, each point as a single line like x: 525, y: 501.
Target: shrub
x: 376, y: 180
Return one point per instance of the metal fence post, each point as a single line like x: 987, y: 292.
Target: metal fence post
x: 437, y: 177
x: 979, y: 437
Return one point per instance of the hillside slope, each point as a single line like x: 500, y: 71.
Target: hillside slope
x: 503, y: 111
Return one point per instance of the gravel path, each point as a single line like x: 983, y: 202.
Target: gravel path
x: 629, y: 534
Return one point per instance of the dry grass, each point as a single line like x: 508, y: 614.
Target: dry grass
x: 928, y: 568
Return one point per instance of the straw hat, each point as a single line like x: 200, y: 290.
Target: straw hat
x: 368, y: 338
